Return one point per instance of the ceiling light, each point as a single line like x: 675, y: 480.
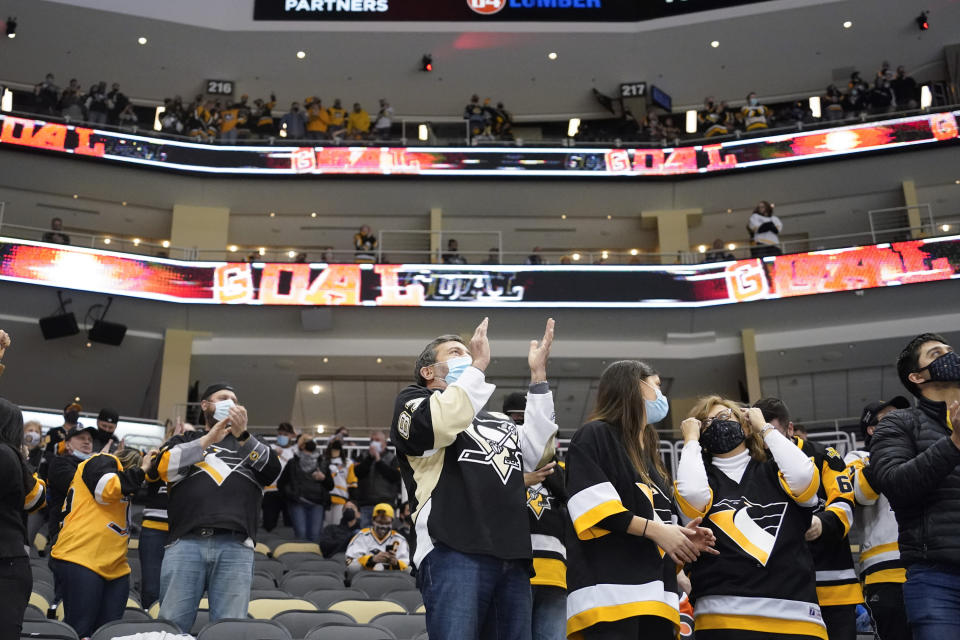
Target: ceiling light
x: 945, y: 227
x: 166, y: 244
x: 106, y: 241
x: 320, y: 428
x: 729, y: 210
x: 956, y: 182
x: 634, y: 252
x: 326, y: 359
x: 232, y: 248
x: 691, y: 121
x: 313, y: 215
x: 301, y: 55
x: 89, y: 344
x: 609, y: 217
x: 702, y: 248
x: 291, y: 254
x: 76, y: 399
x: 563, y: 216
x: 75, y: 196
x: 316, y: 389
x: 731, y: 246
x: 142, y: 40
x: 273, y: 214
x: 552, y: 55
x: 847, y: 24
x: 262, y: 250
x: 379, y: 360
x: 715, y: 44
x: 575, y: 256
x: 136, y: 242
x: 124, y: 203
x: 604, y: 254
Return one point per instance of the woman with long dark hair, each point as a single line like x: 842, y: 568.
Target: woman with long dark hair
x: 19, y: 491
x: 757, y: 491
x: 622, y: 554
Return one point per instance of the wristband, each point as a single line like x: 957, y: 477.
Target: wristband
x: 645, y: 524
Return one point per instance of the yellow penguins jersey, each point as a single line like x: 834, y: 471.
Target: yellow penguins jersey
x: 612, y: 575
x: 837, y: 582
x: 754, y: 116
x: 365, y: 545
x: 338, y: 117
x: 547, y: 512
x: 344, y: 479
x: 713, y: 123
x: 762, y: 581
x: 879, y: 554
x: 94, y: 532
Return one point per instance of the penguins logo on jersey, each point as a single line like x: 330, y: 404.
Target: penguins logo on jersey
x: 753, y: 527
x: 219, y: 463
x: 538, y: 500
x: 499, y: 446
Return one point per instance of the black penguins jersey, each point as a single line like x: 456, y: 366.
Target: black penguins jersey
x: 463, y: 466
x: 547, y: 514
x: 837, y: 582
x: 762, y: 581
x: 612, y: 575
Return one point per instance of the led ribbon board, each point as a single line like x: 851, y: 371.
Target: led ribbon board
x: 428, y: 285
x: 723, y: 157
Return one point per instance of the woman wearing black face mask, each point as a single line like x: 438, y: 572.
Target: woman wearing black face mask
x: 621, y: 554
x: 762, y: 582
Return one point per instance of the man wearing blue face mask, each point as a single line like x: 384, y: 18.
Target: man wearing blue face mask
x: 216, y: 479
x: 463, y: 468
x: 273, y: 503
x: 915, y: 460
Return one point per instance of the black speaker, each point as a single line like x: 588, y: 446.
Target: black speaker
x: 59, y: 326
x: 107, y: 332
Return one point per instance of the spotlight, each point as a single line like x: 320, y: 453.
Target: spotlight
x: 11, y: 27
x: 426, y: 63
x: 922, y: 23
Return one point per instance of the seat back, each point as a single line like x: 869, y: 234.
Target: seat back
x: 355, y: 632
x: 409, y: 598
x: 120, y: 628
x: 378, y: 583
x: 244, y: 629
x: 296, y: 547
x: 301, y: 582
x: 299, y: 623
x: 406, y: 626
x: 363, y: 610
x: 267, y: 608
x: 323, y: 598
x: 48, y: 629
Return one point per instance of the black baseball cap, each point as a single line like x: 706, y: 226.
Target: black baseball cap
x: 871, y: 412
x: 216, y: 386
x: 109, y: 415
x: 81, y: 429
x: 516, y: 401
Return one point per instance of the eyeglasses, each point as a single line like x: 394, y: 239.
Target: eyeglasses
x: 723, y: 415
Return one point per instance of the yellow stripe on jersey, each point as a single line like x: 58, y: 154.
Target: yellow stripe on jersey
x: 843, y: 511
x: 36, y: 497
x: 153, y: 524
x: 590, y: 506
x: 688, y: 509
x: 549, y: 572
x: 775, y: 626
x: 840, y: 594
x: 213, y: 472
x: 724, y: 520
x: 807, y: 493
x: 880, y: 548
x: 886, y: 575
x: 616, y: 612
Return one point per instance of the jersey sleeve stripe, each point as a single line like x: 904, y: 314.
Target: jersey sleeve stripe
x: 807, y: 494
x: 591, y: 505
x: 688, y: 509
x: 107, y: 488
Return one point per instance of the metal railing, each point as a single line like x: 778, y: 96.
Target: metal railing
x: 105, y: 242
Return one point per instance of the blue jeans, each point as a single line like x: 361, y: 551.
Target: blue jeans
x: 932, y: 598
x: 474, y: 597
x: 89, y: 600
x: 221, y: 565
x: 549, y: 613
x: 152, y: 542
x: 307, y: 520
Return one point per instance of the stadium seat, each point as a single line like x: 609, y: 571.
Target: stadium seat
x: 363, y: 610
x: 120, y: 628
x: 377, y: 583
x: 262, y: 548
x: 135, y: 613
x: 355, y: 632
x: 423, y: 636
x: 298, y: 623
x: 409, y: 598
x: 45, y: 590
x: 271, y: 566
x: 267, y: 608
x: 320, y: 565
x: 296, y: 547
x: 300, y: 583
x: 276, y: 592
x: 406, y: 626
x: 421, y: 609
x: 323, y: 598
x: 133, y: 543
x: 39, y: 601
x: 133, y: 602
x: 242, y: 629
x: 263, y: 580
x: 155, y: 607
x: 293, y: 559
x: 339, y: 557
x: 42, y: 573
x: 40, y: 542
x: 48, y: 629
x: 33, y: 612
